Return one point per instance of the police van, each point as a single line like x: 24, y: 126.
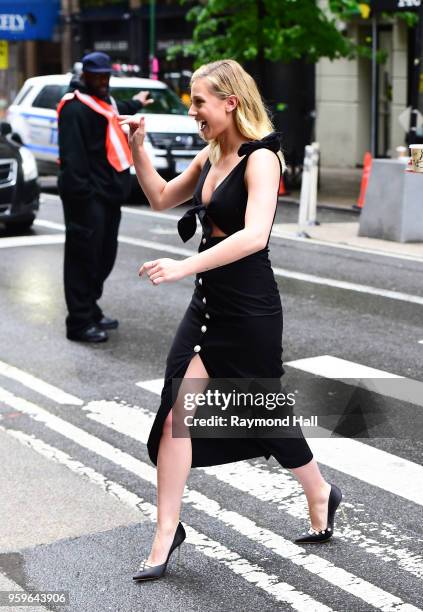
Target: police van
x: 172, y: 137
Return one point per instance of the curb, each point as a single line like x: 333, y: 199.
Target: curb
x: 335, y: 207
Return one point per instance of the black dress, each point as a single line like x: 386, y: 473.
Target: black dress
x: 233, y: 322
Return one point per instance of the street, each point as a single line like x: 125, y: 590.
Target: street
x: 78, y: 500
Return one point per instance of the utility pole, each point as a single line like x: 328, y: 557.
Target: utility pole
x: 152, y: 52
x: 415, y: 77
x: 66, y: 47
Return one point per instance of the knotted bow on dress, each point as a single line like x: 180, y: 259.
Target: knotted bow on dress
x: 188, y: 223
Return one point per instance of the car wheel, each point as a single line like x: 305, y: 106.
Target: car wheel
x: 19, y: 228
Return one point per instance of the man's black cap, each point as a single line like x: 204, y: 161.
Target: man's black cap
x: 96, y: 62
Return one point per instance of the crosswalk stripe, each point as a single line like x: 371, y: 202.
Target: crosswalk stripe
x: 251, y: 572
x: 280, y: 489
x: 154, y: 386
x: 20, y: 241
x: 329, y: 366
x: 377, y: 381
x: 347, y: 581
x: 38, y: 385
x: 282, y: 272
x: 367, y: 463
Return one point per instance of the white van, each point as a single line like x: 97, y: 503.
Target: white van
x: 172, y: 136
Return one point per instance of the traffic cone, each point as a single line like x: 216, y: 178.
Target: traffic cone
x: 367, y: 166
x: 282, y: 190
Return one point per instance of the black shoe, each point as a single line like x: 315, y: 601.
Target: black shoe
x: 313, y: 536
x: 90, y: 334
x: 107, y: 323
x: 152, y: 572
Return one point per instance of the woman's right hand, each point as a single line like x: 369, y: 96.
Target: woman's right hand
x: 136, y: 124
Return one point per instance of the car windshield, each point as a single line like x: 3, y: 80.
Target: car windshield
x: 166, y: 102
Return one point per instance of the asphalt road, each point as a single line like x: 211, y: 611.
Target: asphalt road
x: 78, y: 494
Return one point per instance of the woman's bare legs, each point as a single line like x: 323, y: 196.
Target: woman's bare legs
x: 173, y: 466
x: 317, y: 491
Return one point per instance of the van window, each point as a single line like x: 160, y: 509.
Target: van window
x: 50, y: 96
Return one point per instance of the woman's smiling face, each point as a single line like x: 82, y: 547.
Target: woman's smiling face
x: 213, y: 115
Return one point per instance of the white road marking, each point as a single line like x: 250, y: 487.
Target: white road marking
x: 334, y: 367
x: 377, y: 381
x: 20, y: 241
x: 371, y: 465
x: 277, y: 488
x: 38, y: 385
x: 420, y: 342
x: 283, y: 273
x: 276, y: 233
x: 155, y: 386
x: 6, y: 584
x: 326, y: 570
x: 338, y: 284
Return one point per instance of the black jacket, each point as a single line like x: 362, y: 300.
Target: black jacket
x: 85, y: 172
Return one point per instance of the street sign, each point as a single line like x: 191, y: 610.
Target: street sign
x: 390, y: 6
x: 28, y: 19
x: 4, y: 55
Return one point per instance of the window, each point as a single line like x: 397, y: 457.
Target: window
x: 50, y: 96
x: 165, y: 101
x: 22, y: 95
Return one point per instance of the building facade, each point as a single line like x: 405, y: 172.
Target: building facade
x: 344, y: 97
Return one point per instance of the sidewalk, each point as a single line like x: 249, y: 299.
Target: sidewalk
x: 339, y: 189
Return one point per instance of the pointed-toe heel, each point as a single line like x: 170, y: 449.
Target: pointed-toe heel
x: 153, y: 572
x: 315, y: 537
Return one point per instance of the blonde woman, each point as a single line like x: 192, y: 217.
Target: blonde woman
x: 233, y: 325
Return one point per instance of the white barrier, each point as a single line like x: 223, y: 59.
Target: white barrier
x: 308, y: 197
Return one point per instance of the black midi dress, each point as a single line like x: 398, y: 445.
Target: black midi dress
x: 233, y: 322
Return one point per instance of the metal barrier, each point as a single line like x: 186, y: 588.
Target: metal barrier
x: 308, y: 198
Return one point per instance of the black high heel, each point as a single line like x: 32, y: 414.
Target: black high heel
x: 315, y: 537
x: 152, y: 572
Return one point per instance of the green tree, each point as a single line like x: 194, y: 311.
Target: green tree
x: 275, y: 30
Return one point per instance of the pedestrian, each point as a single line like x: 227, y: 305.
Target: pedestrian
x: 233, y: 325
x: 94, y: 181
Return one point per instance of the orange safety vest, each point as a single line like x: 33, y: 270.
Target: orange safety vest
x: 117, y: 147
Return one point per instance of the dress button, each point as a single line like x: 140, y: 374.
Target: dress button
x: 203, y: 328
x: 203, y: 241
x: 200, y: 280
x: 204, y: 300
x: 207, y: 315
x: 197, y: 348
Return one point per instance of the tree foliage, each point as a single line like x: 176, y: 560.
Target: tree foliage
x: 275, y: 30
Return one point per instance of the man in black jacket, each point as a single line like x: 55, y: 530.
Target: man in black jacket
x: 92, y: 190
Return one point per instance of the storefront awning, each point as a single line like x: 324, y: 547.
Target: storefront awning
x: 28, y: 19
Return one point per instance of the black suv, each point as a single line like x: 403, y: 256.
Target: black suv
x: 19, y: 188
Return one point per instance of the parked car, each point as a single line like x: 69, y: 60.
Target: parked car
x: 19, y: 189
x: 172, y: 139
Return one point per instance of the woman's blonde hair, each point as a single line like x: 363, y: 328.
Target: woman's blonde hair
x: 228, y: 78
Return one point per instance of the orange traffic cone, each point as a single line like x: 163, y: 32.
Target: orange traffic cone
x: 282, y: 190
x: 367, y: 166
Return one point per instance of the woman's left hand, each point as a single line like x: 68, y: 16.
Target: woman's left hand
x: 164, y: 270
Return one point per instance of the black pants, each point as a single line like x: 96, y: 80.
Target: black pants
x: 90, y: 253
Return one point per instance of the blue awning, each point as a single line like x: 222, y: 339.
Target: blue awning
x: 28, y: 19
